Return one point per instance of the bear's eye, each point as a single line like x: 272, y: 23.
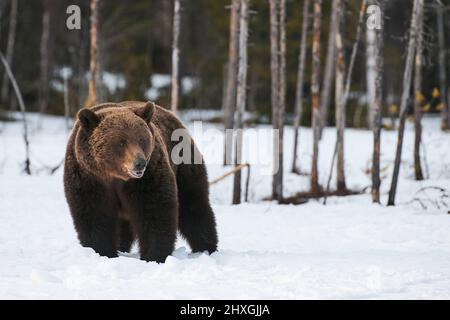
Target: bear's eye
x: 142, y: 143
x: 122, y: 143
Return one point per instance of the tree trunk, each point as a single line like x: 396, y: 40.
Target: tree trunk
x: 445, y: 113
x: 175, y: 56
x: 278, y: 192
x: 329, y: 69
x: 10, y: 75
x: 300, y: 81
x: 376, y: 113
x: 92, y: 93
x: 10, y: 47
x: 230, y: 96
x: 275, y: 89
x: 241, y: 97
x: 418, y: 99
x: 374, y: 66
x: 315, y: 92
x: 340, y: 96
x: 417, y: 11
x: 44, y: 64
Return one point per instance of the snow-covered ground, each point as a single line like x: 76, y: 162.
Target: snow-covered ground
x: 348, y: 249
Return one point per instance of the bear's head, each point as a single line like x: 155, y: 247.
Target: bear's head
x: 115, y: 142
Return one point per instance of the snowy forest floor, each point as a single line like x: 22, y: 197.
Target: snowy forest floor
x: 348, y: 249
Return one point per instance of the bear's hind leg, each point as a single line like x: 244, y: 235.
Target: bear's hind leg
x: 196, y: 218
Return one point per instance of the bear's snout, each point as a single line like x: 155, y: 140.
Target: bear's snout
x: 139, y: 164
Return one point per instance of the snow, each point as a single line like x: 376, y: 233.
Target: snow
x: 160, y: 81
x: 348, y: 249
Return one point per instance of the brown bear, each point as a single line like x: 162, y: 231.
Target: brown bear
x: 121, y: 183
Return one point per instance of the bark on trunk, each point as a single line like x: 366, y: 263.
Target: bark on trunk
x: 417, y: 11
x: 175, y: 56
x: 376, y: 113
x: 92, y: 93
x: 325, y: 96
x: 418, y: 99
x: 275, y: 83
x: 282, y: 101
x: 340, y: 96
x: 374, y: 67
x: 10, y: 47
x: 300, y: 82
x: 445, y: 113
x: 230, y: 96
x: 315, y: 94
x: 241, y: 97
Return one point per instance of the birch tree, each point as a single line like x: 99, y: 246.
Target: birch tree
x: 175, y: 56
x: 417, y: 11
x: 374, y: 79
x: 92, y: 90
x: 278, y: 78
x: 445, y: 111
x: 241, y: 96
x: 418, y: 98
x: 275, y: 82
x: 315, y: 94
x: 300, y: 82
x: 340, y: 96
x: 10, y: 46
x: 230, y: 95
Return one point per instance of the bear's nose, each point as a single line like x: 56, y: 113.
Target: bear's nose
x: 139, y: 164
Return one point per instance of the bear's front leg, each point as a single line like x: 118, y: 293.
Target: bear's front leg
x: 156, y: 228
x: 92, y: 212
x: 103, y: 235
x: 155, y: 213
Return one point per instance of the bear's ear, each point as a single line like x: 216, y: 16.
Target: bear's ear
x: 88, y: 119
x: 146, y: 111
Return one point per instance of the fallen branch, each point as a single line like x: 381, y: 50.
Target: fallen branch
x: 22, y: 112
x: 233, y: 171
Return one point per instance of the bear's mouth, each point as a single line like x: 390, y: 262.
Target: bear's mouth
x: 137, y: 174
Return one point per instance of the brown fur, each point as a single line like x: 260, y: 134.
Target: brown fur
x: 110, y: 207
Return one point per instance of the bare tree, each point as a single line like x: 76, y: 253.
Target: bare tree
x: 417, y: 11
x: 175, y: 56
x: 10, y: 46
x: 418, y: 99
x: 44, y: 63
x: 300, y: 81
x: 315, y: 94
x: 348, y: 81
x: 278, y: 76
x: 340, y: 95
x: 275, y: 81
x: 92, y: 93
x: 329, y: 69
x: 241, y: 96
x: 10, y: 75
x: 230, y: 95
x: 374, y: 78
x: 445, y: 112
